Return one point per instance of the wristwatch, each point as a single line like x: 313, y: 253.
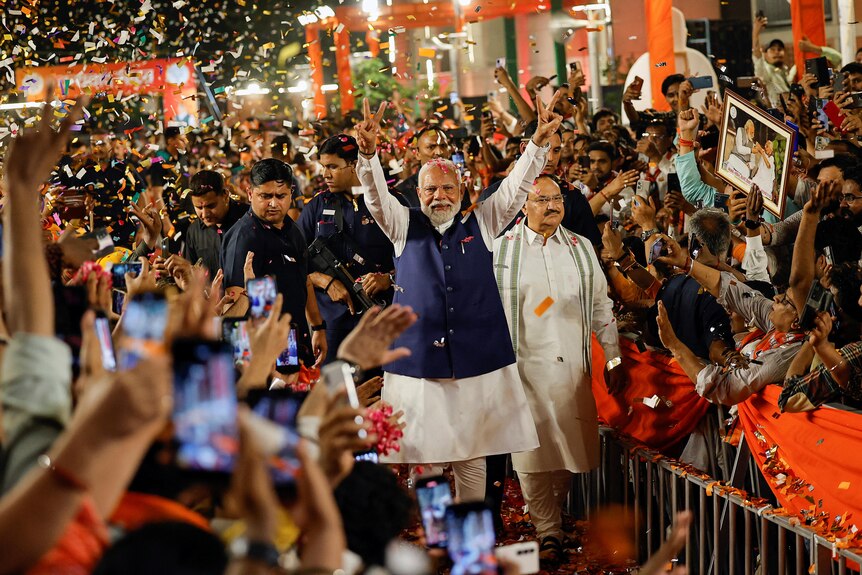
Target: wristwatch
x: 645, y: 235
x: 752, y: 224
x: 319, y: 327
x: 613, y: 363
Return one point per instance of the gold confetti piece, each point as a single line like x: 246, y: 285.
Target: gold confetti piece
x: 844, y: 485
x: 427, y: 52
x: 543, y: 307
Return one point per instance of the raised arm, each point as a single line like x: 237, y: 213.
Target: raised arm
x: 27, y: 282
x: 390, y: 215
x: 500, y: 208
x: 524, y: 110
x: 802, y: 270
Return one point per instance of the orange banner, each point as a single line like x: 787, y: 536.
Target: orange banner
x: 808, y: 20
x: 172, y: 78
x: 662, y: 62
x: 811, y: 462
x: 659, y: 406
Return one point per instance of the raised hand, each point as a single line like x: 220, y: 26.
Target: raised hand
x: 549, y: 122
x: 826, y: 193
x: 368, y: 343
x: 151, y: 223
x: 754, y: 204
x: 712, y: 109
x: 33, y: 154
x: 687, y: 122
x: 675, y: 254
x: 368, y: 130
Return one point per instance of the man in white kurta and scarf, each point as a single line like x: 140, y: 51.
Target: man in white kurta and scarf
x: 555, y: 295
x: 459, y: 389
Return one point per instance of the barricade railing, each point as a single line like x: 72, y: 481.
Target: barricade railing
x: 732, y: 533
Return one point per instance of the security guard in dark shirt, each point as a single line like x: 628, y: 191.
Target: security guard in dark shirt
x: 279, y: 251
x: 216, y: 214
x: 340, y: 216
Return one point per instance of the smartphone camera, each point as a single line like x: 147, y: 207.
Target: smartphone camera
x: 205, y: 406
x: 106, y: 344
x: 119, y: 271
x: 288, y: 360
x: 144, y: 324
x: 658, y: 249
x: 471, y: 539
x: 261, y: 296
x: 235, y: 334
x: 434, y: 497
x: 280, y: 407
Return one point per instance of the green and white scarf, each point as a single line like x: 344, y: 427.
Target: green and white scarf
x: 507, y: 269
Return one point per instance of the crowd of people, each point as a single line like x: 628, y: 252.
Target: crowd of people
x: 453, y: 274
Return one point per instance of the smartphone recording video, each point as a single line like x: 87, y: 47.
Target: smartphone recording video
x: 261, y: 296
x: 288, y: 360
x: 119, y: 271
x: 434, y: 497
x: 106, y: 344
x: 144, y: 323
x: 205, y: 406
x: 657, y: 250
x: 279, y: 406
x: 471, y: 539
x: 235, y: 334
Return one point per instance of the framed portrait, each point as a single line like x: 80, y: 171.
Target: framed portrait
x: 754, y: 151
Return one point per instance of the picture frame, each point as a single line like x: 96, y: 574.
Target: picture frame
x: 754, y: 148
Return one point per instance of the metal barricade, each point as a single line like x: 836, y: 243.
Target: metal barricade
x: 730, y: 535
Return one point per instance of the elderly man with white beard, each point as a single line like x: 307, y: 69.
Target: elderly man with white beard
x: 460, y: 390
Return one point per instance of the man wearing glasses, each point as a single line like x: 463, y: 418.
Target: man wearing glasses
x: 555, y: 295
x: 341, y: 219
x: 656, y: 145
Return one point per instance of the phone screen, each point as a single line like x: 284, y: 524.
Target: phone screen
x: 106, y: 344
x: 458, y: 160
x: 280, y: 407
x: 289, y: 357
x: 720, y: 202
x: 144, y: 323
x: 693, y: 246
x: 434, y: 497
x: 471, y: 539
x: 205, y: 406
x: 673, y: 184
x: 655, y: 252
x: 235, y: 333
x: 119, y: 271
x: 261, y: 296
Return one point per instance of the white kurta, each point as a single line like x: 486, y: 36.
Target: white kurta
x: 551, y: 356
x: 458, y: 419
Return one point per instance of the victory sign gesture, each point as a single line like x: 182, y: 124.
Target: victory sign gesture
x: 368, y: 129
x: 549, y: 122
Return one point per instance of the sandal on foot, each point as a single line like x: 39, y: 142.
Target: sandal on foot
x: 551, y: 550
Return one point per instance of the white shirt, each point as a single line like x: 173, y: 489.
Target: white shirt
x: 494, y: 214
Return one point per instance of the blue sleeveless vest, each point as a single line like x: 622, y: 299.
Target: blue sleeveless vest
x: 462, y: 330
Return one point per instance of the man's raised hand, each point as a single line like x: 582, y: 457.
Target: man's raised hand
x: 368, y: 130
x: 34, y: 152
x: 549, y: 122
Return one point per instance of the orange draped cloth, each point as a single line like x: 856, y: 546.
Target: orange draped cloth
x: 810, y: 460
x: 679, y: 407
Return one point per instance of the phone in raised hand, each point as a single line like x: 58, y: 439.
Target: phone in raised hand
x: 434, y: 497
x: 205, y: 407
x: 471, y: 539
